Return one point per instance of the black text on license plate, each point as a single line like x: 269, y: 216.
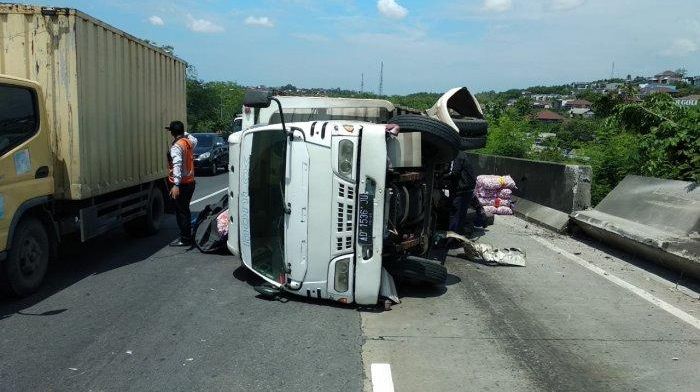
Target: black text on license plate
x: 364, y: 219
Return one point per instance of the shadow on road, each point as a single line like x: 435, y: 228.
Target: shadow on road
x: 78, y: 261
x: 672, y: 276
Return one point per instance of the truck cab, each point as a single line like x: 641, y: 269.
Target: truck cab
x: 321, y: 208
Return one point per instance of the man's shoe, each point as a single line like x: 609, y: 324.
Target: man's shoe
x: 181, y: 242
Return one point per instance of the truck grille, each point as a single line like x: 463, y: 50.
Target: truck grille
x: 344, y: 217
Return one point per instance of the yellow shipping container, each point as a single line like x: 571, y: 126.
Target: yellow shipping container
x: 108, y: 96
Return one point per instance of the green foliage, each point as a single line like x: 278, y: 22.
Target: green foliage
x: 669, y: 136
x: 523, y: 106
x: 612, y: 157
x: 212, y: 106
x: 604, y: 105
x: 508, y: 136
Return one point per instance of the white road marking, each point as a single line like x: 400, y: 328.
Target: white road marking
x: 208, y: 196
x: 624, y: 284
x: 381, y: 378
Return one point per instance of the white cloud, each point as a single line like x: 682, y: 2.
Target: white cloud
x: 391, y: 9
x: 313, y: 38
x: 681, y: 47
x: 565, y: 5
x: 498, y: 5
x: 156, y: 20
x: 262, y: 21
x: 203, y: 25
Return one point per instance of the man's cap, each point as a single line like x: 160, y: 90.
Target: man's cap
x: 176, y: 126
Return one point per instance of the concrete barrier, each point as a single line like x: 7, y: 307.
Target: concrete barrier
x: 654, y: 218
x: 547, y: 192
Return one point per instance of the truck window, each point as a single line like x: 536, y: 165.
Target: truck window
x: 266, y: 190
x: 18, y: 116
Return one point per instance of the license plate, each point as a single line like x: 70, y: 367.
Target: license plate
x: 365, y: 218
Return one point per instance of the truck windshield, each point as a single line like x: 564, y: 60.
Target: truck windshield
x: 266, y: 190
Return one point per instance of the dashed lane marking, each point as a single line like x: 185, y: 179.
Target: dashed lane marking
x: 381, y: 378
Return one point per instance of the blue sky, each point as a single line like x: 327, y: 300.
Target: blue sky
x: 426, y: 45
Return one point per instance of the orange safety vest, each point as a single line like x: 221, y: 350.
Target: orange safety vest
x: 187, y: 162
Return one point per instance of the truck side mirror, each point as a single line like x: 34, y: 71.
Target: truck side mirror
x: 257, y: 98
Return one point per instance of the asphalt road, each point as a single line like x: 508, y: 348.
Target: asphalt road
x: 123, y: 314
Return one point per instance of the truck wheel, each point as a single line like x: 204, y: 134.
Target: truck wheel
x: 148, y: 224
x: 28, y: 259
x: 440, y: 142
x: 471, y: 127
x: 417, y: 270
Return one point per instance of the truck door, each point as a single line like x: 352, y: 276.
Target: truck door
x: 25, y: 163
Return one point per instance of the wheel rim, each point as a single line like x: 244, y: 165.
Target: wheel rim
x: 30, y: 255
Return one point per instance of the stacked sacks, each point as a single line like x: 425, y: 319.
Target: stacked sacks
x: 494, y: 194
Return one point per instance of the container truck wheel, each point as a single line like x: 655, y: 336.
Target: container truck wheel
x: 148, y: 224
x: 28, y: 259
x: 440, y: 142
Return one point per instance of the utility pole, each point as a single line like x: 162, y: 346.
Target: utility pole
x: 381, y: 79
x: 612, y: 71
x: 362, y: 84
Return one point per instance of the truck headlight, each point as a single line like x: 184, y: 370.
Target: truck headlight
x: 342, y: 275
x: 205, y: 155
x: 346, y: 151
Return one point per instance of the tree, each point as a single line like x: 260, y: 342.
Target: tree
x: 523, y: 106
x: 508, y: 137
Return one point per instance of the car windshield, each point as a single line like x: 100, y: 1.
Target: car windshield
x: 266, y: 190
x: 204, y: 141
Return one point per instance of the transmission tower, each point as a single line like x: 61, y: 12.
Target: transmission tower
x: 381, y: 79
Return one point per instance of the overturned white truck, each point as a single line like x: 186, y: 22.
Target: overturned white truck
x: 334, y: 207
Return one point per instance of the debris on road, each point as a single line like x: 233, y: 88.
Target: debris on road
x: 129, y: 352
x: 489, y: 254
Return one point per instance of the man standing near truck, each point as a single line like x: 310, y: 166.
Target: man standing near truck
x: 181, y: 179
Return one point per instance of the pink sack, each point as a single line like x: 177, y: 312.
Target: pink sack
x: 222, y: 223
x: 498, y: 210
x: 490, y: 194
x: 490, y: 182
x: 495, y: 202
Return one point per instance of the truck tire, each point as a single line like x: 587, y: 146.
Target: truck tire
x: 440, y: 142
x: 148, y: 224
x: 28, y: 259
x: 473, y: 143
x: 471, y: 127
x: 417, y: 270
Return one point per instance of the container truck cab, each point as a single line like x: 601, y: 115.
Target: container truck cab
x: 332, y: 208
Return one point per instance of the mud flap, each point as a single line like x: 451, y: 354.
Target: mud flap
x: 387, y: 287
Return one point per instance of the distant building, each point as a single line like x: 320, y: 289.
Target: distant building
x: 581, y: 112
x: 667, y: 77
x: 576, y: 104
x: 693, y: 80
x: 612, y: 87
x: 653, y: 88
x: 548, y: 116
x: 690, y: 100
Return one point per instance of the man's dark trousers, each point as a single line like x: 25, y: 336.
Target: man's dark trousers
x: 182, y: 211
